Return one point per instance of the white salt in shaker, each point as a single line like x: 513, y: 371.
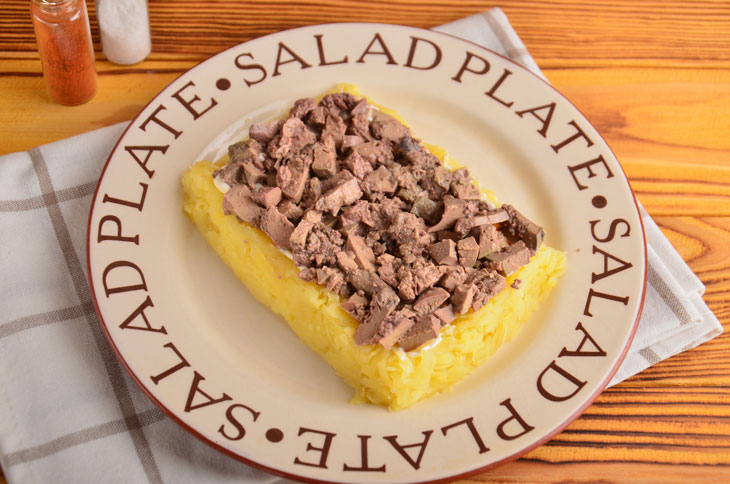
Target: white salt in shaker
x: 125, y: 30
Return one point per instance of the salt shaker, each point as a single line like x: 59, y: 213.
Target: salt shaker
x: 124, y: 26
x: 64, y: 44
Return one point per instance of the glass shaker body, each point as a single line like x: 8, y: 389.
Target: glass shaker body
x: 64, y: 43
x: 124, y: 28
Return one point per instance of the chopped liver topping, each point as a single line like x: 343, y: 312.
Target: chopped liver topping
x: 444, y: 252
x: 370, y: 214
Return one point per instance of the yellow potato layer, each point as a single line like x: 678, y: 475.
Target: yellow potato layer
x: 391, y: 378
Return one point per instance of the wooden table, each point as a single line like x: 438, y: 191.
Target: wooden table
x: 653, y: 77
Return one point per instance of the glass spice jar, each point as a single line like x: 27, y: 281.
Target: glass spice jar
x: 67, y: 53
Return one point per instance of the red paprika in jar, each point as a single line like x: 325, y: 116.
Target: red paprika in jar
x: 67, y: 53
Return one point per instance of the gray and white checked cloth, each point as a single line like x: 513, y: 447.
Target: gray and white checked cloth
x: 69, y: 412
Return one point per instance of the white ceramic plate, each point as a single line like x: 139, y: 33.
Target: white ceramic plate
x: 229, y: 371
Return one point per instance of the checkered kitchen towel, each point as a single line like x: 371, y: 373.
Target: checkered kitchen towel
x: 68, y: 411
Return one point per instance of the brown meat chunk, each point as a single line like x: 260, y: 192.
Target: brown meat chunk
x: 267, y: 196
x: 329, y: 277
x: 323, y: 244
x: 387, y: 128
x: 363, y: 254
x: 393, y: 329
x: 512, y: 258
x: 383, y: 303
x: 445, y: 314
x: 333, y: 181
x: 389, y: 208
x: 453, y: 276
x: 295, y: 135
x: 318, y: 116
x: 360, y: 125
x: 357, y: 165
x: 338, y: 102
x: 415, y: 280
x: 407, y: 144
x: 407, y: 284
x: 381, y: 180
x: 374, y: 152
x: 356, y: 305
x: 407, y: 228
x: 360, y: 106
x: 462, y: 186
x: 356, y: 229
x: 388, y: 268
x: 238, y: 201
x: 490, y: 240
x: 298, y: 237
x: 312, y: 215
x: 430, y: 300
x: 308, y: 274
x: 421, y: 161
x: 325, y: 158
x: 468, y: 251
x: 454, y: 209
x: 494, y: 217
x: 488, y: 283
x: 426, y: 275
x: 426, y: 208
x: 464, y: 225
x: 350, y: 140
x: 346, y: 192
x: 408, y: 187
x: 355, y: 213
x: 253, y: 175
x: 365, y: 281
x: 426, y: 329
x: 523, y: 228
x: 447, y: 235
x: 334, y: 127
x: 302, y: 107
x: 312, y: 191
x: 278, y: 227
x: 290, y: 210
x: 245, y: 151
x: 437, y: 182
x: 346, y: 261
x: 231, y: 174
x: 264, y: 132
x: 462, y: 298
x: 292, y: 179
x: 403, y: 176
x: 444, y: 252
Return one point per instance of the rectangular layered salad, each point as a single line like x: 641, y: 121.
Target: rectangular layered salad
x: 388, y: 262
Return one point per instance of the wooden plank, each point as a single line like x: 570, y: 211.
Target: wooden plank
x: 655, y: 435
x: 564, y: 32
x: 665, y: 126
x: 120, y: 96
x: 523, y: 471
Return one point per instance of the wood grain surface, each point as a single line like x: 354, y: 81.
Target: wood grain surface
x: 652, y: 76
